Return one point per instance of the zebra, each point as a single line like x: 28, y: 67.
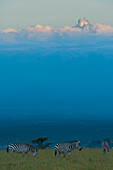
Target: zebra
x: 65, y: 148
x: 21, y: 148
x: 105, y: 147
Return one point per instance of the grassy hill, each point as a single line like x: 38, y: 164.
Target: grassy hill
x: 88, y: 159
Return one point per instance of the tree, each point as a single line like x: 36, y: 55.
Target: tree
x: 40, y: 141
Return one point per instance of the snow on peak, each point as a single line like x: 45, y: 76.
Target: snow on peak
x: 84, y: 24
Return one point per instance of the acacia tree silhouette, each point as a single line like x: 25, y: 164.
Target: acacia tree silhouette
x: 40, y: 143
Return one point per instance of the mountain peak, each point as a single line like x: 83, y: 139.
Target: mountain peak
x: 84, y: 24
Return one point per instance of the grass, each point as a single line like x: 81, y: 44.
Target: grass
x: 88, y: 159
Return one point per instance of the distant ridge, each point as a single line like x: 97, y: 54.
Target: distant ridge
x: 43, y: 33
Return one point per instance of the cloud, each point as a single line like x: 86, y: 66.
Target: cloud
x: 39, y: 28
x: 99, y: 28
x: 37, y: 32
x: 68, y: 29
x: 46, y: 33
x: 9, y: 30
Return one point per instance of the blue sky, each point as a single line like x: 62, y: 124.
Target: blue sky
x: 71, y: 77
x: 53, y: 69
x: 23, y: 13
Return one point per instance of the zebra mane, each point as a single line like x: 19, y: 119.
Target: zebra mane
x: 74, y: 141
x: 31, y: 148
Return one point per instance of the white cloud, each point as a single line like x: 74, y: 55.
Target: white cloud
x: 9, y: 30
x: 44, y: 33
x: 99, y: 28
x: 39, y: 28
x: 68, y: 29
x: 37, y: 32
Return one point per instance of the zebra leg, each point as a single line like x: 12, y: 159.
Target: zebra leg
x: 69, y: 153
x: 22, y: 154
x: 12, y: 152
x: 107, y: 150
x: 64, y: 154
x: 58, y: 154
x: 104, y: 150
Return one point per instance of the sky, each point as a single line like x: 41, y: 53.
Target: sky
x: 52, y: 68
x: 23, y: 13
x: 66, y: 76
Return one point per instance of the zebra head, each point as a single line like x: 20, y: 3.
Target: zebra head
x: 35, y: 153
x: 33, y: 150
x: 76, y: 144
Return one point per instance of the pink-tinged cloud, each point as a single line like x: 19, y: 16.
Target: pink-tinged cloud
x: 69, y: 31
x: 99, y: 28
x: 38, y: 32
x: 39, y: 28
x: 9, y: 30
x: 45, y: 33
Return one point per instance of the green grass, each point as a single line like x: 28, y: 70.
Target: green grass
x: 88, y: 159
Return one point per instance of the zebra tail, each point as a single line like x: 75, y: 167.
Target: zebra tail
x: 7, y: 150
x: 55, y: 152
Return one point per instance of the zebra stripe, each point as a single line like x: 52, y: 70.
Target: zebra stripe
x: 21, y: 148
x: 105, y: 147
x: 65, y: 148
x: 57, y: 145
